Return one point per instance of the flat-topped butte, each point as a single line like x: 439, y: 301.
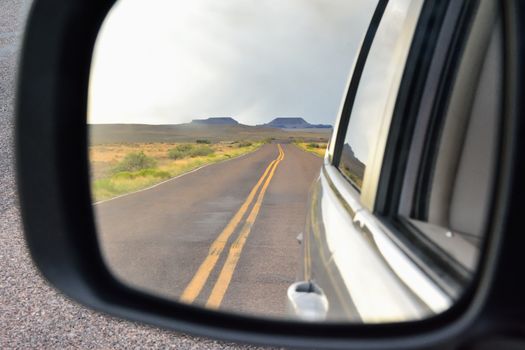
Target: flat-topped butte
x: 215, y: 121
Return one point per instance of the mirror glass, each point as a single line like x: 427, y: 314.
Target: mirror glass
x: 217, y: 178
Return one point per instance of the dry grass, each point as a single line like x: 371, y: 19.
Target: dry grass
x: 317, y: 148
x: 103, y: 158
x: 106, y: 183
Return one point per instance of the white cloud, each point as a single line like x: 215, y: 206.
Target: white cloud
x: 167, y: 61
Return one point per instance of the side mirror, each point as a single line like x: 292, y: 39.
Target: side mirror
x: 54, y: 181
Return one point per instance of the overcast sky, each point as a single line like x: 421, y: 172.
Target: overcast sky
x: 170, y: 61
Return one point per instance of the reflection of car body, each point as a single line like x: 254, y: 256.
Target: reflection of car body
x: 398, y: 212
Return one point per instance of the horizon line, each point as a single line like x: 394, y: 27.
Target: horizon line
x: 190, y: 122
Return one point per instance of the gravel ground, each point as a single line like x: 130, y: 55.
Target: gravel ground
x: 33, y: 314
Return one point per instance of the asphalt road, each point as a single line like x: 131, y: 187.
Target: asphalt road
x: 33, y: 315
x: 223, y: 236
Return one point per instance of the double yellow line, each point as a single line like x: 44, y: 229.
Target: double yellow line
x: 198, y: 281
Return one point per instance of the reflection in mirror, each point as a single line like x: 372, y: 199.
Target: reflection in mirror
x: 208, y: 125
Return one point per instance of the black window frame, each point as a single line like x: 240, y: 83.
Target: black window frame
x: 354, y: 84
x: 433, y: 140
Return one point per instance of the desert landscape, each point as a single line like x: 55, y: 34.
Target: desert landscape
x: 129, y: 157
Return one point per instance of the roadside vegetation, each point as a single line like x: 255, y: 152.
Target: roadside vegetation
x: 358, y: 181
x: 190, y: 151
x: 317, y: 148
x: 117, y: 169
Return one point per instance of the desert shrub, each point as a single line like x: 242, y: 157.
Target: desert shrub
x: 184, y: 147
x: 203, y: 150
x: 269, y: 139
x: 312, y: 145
x: 180, y: 151
x: 187, y: 151
x: 207, y: 142
x: 244, y: 144
x: 175, y: 154
x: 135, y: 161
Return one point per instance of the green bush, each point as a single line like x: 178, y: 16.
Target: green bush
x: 180, y: 151
x: 184, y: 147
x: 176, y: 154
x: 135, y: 161
x: 312, y: 145
x: 244, y: 144
x: 189, y: 151
x: 204, y: 141
x: 203, y: 150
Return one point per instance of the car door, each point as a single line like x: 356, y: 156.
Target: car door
x: 397, y: 215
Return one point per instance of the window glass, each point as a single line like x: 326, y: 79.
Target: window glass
x: 454, y: 206
x: 380, y: 79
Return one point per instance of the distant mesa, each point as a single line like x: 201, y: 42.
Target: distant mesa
x: 351, y: 162
x: 279, y: 122
x: 294, y: 123
x: 349, y: 152
x: 215, y: 121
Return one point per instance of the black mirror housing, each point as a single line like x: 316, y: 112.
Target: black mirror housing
x: 53, y: 180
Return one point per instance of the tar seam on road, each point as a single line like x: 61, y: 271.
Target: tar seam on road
x: 198, y: 281
x: 224, y: 279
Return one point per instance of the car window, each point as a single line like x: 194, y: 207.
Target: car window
x: 452, y: 200
x: 438, y: 173
x: 380, y: 79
